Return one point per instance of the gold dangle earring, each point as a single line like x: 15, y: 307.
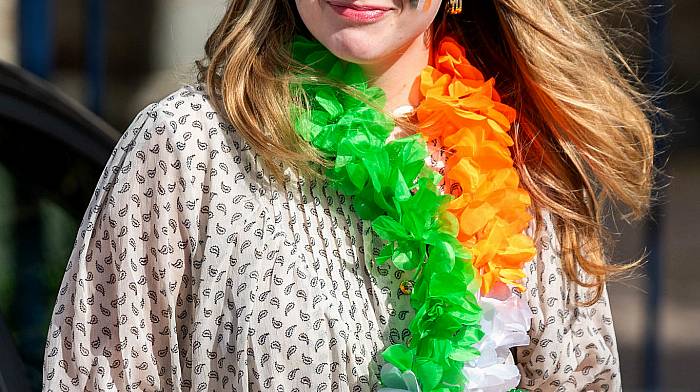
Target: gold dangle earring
x: 454, y: 7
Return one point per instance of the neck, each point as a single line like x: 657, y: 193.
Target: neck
x: 397, y: 73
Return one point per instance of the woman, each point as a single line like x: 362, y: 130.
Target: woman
x: 272, y: 228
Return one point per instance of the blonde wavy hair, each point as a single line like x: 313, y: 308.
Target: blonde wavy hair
x: 582, y: 136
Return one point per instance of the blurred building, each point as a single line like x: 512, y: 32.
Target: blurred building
x: 150, y: 49
x: 8, y: 30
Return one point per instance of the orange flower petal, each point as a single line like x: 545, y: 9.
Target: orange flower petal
x: 464, y: 114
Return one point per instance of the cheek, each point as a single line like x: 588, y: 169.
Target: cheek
x: 426, y: 6
x: 310, y: 13
x: 419, y: 15
x: 318, y: 18
x: 303, y: 8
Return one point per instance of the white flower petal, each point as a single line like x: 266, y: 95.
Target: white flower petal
x: 505, y: 323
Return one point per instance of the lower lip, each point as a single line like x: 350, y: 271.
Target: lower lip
x: 359, y: 16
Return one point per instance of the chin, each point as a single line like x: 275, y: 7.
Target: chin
x: 358, y: 46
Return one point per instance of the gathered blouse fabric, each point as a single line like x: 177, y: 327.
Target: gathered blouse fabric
x: 195, y: 270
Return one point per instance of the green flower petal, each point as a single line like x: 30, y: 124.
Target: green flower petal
x: 399, y: 355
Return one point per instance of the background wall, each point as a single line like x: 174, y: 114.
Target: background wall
x: 8, y: 36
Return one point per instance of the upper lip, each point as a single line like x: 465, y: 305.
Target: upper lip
x: 358, y: 6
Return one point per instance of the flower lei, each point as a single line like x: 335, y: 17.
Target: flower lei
x: 454, y: 243
x: 462, y: 113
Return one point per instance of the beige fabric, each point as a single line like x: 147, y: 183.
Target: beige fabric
x: 571, y: 348
x: 191, y: 272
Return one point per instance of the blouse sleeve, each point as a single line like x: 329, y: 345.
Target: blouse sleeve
x: 572, y: 348
x: 119, y: 319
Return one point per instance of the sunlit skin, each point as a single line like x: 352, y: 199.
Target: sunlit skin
x: 392, y: 50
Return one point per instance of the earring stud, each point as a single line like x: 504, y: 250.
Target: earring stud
x: 454, y: 7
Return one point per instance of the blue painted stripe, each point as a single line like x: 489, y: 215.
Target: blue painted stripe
x: 36, y: 36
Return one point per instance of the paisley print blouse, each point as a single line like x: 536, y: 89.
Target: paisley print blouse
x: 195, y: 270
